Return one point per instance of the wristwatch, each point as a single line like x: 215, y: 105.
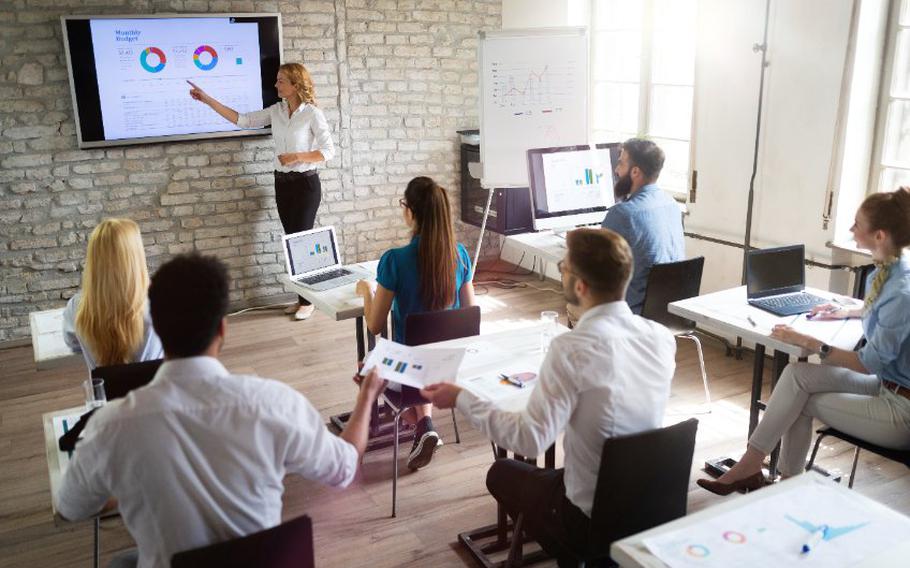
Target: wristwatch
x: 824, y: 351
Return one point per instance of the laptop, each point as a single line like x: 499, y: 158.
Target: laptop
x: 313, y: 260
x: 776, y: 280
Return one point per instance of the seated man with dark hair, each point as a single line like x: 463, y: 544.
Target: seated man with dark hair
x: 648, y: 218
x: 610, y: 376
x: 198, y: 455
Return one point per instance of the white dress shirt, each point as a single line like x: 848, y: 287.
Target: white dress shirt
x: 198, y: 456
x: 303, y: 131
x: 610, y: 376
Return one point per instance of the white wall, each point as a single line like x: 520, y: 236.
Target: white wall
x: 807, y: 48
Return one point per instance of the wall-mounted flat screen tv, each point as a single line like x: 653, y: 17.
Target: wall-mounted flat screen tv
x: 128, y: 74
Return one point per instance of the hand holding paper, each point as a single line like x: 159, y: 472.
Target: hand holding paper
x: 413, y: 366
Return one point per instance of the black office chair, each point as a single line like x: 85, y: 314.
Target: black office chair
x: 121, y: 379
x: 670, y: 282
x: 643, y: 482
x: 289, y: 545
x: 900, y: 456
x: 420, y: 329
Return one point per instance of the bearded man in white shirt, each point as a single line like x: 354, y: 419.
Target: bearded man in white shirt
x: 198, y: 455
x: 610, y: 376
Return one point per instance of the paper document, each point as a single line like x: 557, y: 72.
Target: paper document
x: 772, y: 532
x: 62, y: 425
x: 413, y: 366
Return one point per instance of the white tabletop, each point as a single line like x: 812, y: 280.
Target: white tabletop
x: 47, y: 340
x: 510, y: 351
x: 338, y: 303
x: 55, y: 425
x: 631, y: 552
x: 545, y: 244
x: 729, y: 311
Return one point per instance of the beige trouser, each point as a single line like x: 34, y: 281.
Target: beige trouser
x: 851, y: 402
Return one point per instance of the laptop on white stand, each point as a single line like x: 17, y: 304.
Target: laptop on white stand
x: 313, y: 260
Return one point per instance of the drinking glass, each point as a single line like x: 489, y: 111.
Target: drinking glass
x: 94, y: 393
x: 550, y: 320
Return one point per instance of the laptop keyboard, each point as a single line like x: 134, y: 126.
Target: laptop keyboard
x: 791, y: 300
x: 327, y: 275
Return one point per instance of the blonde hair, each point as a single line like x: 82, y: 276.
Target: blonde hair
x: 110, y: 318
x: 302, y: 82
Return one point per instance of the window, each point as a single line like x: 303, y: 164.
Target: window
x: 891, y: 164
x: 643, y: 67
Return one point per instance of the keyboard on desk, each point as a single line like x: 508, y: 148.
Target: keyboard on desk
x: 323, y: 276
x: 788, y: 304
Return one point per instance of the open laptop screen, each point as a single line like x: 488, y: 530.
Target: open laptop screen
x: 775, y: 271
x: 312, y: 250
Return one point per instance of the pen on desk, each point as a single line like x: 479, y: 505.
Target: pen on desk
x: 511, y: 381
x: 815, y: 539
x: 751, y: 321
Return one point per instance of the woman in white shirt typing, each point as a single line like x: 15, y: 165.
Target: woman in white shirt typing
x: 302, y: 139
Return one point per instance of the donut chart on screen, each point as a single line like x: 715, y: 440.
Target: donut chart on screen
x: 211, y: 51
x: 143, y: 59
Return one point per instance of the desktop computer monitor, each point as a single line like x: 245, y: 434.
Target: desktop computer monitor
x: 571, y: 185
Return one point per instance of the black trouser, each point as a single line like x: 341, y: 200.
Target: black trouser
x: 297, y: 195
x: 550, y: 518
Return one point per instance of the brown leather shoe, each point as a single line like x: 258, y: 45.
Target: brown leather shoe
x: 751, y: 483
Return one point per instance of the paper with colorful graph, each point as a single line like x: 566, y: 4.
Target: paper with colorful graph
x: 772, y: 532
x: 413, y: 366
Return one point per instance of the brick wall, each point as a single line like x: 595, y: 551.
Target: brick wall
x: 396, y: 79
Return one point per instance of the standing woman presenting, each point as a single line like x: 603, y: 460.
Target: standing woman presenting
x: 302, y: 140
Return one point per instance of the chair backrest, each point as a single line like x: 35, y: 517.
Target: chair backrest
x: 430, y: 327
x: 289, y: 545
x: 669, y: 282
x: 643, y: 482
x: 121, y: 379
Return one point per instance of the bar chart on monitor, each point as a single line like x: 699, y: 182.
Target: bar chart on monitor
x: 576, y: 180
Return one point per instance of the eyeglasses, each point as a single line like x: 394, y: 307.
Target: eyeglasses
x: 562, y: 268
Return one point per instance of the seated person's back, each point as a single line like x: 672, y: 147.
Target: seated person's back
x: 198, y: 456
x: 108, y: 319
x: 649, y: 219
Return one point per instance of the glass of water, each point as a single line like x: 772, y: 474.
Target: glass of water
x: 550, y: 319
x: 94, y: 393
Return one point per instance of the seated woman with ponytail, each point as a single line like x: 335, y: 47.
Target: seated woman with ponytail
x: 864, y: 393
x: 431, y: 273
x: 108, y: 320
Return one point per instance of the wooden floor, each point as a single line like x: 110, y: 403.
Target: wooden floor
x: 352, y: 526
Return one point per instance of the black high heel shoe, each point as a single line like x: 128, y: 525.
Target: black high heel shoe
x: 751, y: 483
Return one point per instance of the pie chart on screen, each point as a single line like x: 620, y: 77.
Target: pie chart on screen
x: 205, y: 57
x: 149, y: 57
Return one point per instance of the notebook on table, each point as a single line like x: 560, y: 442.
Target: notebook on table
x: 313, y: 260
x: 776, y: 281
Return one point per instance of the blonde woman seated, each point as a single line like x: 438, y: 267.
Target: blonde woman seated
x: 108, y: 319
x: 432, y: 272
x: 863, y: 393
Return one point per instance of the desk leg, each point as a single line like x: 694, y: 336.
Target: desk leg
x: 758, y: 371
x: 358, y: 331
x: 96, y: 562
x: 781, y: 360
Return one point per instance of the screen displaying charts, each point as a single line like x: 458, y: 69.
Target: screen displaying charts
x: 310, y: 252
x: 577, y: 180
x: 142, y: 67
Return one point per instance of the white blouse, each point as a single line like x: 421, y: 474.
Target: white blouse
x: 303, y: 131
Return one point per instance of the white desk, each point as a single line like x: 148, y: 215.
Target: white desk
x: 728, y: 311
x: 631, y: 552
x: 538, y: 252
x: 488, y: 355
x: 340, y: 303
x: 55, y: 425
x: 47, y: 340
